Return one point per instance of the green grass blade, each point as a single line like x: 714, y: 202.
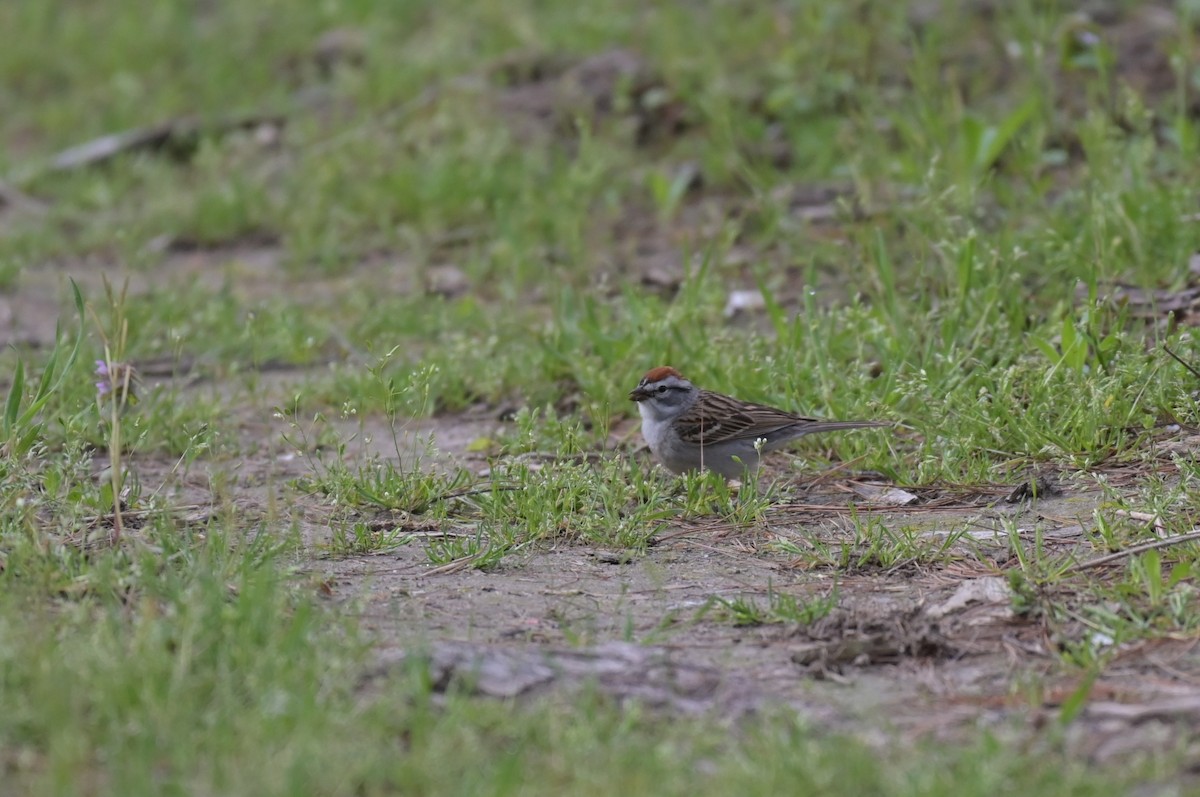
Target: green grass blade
x: 46, y: 389
x: 12, y: 407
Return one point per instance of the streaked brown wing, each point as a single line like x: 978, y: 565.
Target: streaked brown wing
x: 715, y: 419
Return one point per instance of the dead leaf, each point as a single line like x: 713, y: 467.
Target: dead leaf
x: 884, y: 494
x: 447, y: 281
x: 988, y: 590
x: 743, y: 302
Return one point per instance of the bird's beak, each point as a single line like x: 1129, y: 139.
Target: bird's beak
x: 639, y: 394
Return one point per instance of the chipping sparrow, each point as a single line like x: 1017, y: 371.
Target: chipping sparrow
x: 689, y: 429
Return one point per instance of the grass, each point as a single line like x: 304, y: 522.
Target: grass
x: 937, y: 212
x: 780, y: 607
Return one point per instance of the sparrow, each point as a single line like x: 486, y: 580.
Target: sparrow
x: 688, y: 428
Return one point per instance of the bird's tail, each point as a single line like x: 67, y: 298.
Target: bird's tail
x: 833, y: 426
x: 780, y: 437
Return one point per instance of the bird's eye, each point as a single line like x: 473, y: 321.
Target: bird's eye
x: 662, y: 388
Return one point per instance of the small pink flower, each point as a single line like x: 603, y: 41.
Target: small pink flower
x: 120, y: 380
x: 102, y: 388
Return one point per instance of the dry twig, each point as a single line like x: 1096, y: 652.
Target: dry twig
x: 1149, y: 546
